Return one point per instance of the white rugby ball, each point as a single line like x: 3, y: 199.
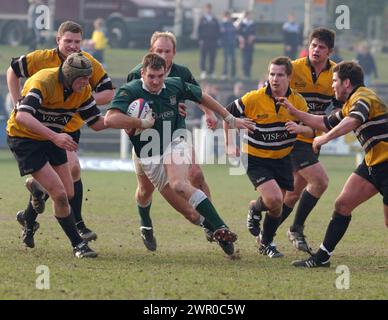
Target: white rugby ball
x: 137, y: 109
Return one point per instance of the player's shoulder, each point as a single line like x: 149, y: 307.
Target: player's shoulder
x: 48, y: 74
x: 95, y: 63
x: 174, y: 81
x: 135, y: 84
x: 45, y: 80
x: 300, y: 62
x: 181, y: 68
x: 363, y: 93
x: 332, y: 64
x: 254, y: 96
x: 135, y: 73
x: 42, y: 54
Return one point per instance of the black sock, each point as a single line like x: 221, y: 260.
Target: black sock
x: 307, y: 203
x: 334, y: 233
x: 30, y: 215
x: 68, y: 225
x: 286, y: 211
x: 259, y: 205
x: 76, y: 203
x: 270, y: 226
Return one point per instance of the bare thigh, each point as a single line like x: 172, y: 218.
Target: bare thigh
x: 355, y: 191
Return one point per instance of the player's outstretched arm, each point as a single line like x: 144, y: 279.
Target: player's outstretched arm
x: 230, y: 147
x: 345, y: 126
x: 103, y: 97
x: 99, y: 124
x: 295, y: 128
x: 308, y: 119
x: 233, y: 122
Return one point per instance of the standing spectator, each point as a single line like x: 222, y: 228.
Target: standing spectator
x: 229, y: 41
x: 99, y: 40
x: 367, y: 63
x: 291, y: 36
x: 34, y: 36
x: 246, y: 29
x: 208, y: 36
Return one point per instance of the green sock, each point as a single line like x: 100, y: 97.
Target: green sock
x: 202, y: 204
x: 144, y: 213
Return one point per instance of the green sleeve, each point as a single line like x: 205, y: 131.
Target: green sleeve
x: 134, y: 73
x: 121, y: 100
x: 192, y: 92
x: 191, y: 79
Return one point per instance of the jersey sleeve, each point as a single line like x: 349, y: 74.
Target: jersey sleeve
x: 333, y: 119
x: 360, y: 110
x: 237, y: 108
x: 33, y: 99
x: 191, y: 92
x: 134, y: 74
x: 89, y: 111
x: 99, y: 80
x: 121, y: 100
x: 190, y: 78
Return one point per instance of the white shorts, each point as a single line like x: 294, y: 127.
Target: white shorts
x: 178, y: 152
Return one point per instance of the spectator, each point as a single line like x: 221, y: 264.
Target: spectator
x: 34, y: 36
x: 99, y: 40
x: 246, y: 29
x: 229, y: 41
x: 367, y: 63
x: 208, y: 36
x: 291, y: 37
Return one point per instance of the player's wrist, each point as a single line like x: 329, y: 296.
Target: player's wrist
x: 230, y: 120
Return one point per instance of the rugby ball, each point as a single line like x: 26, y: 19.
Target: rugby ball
x: 137, y: 109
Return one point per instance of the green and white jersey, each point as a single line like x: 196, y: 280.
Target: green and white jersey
x: 176, y: 70
x: 164, y: 106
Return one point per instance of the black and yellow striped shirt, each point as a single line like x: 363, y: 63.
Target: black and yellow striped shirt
x: 364, y: 105
x: 270, y: 139
x: 27, y: 65
x: 45, y: 97
x: 316, y: 90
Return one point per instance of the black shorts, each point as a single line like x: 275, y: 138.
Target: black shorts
x: 303, y: 155
x: 376, y: 175
x: 31, y: 155
x: 261, y: 170
x: 75, y: 135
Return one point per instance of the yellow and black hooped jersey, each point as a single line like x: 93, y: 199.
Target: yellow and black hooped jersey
x: 46, y: 99
x: 270, y: 138
x: 27, y: 65
x: 317, y: 91
x: 364, y: 105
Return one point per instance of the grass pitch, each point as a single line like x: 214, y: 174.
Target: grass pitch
x: 185, y: 266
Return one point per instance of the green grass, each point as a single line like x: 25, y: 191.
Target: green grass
x: 120, y: 61
x: 185, y: 266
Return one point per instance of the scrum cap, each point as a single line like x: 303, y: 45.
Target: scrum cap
x: 75, y: 66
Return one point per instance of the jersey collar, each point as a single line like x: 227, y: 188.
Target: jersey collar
x: 146, y: 89
x: 354, y: 90
x: 268, y: 91
x: 60, y: 55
